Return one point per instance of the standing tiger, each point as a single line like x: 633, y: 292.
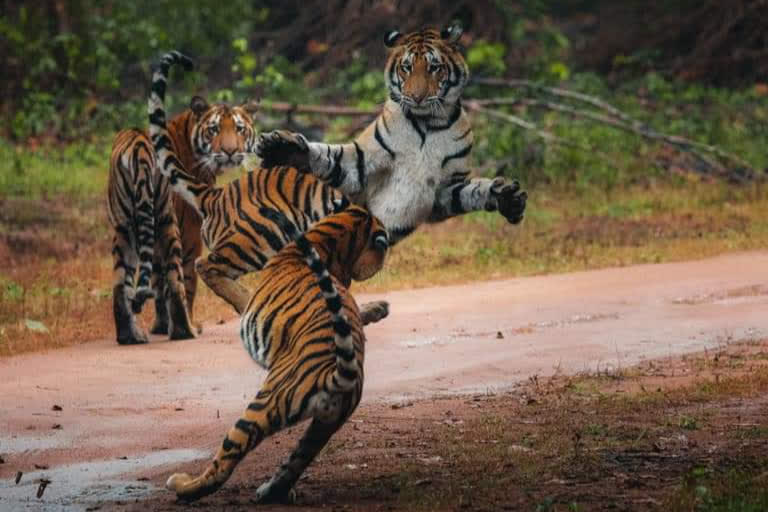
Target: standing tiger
x: 409, y: 166
x: 249, y: 220
x: 303, y: 326
x: 140, y: 212
x: 208, y: 139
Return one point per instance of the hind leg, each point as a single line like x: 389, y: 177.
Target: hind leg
x: 332, y: 412
x: 125, y: 260
x: 260, y: 420
x: 160, y: 325
x: 220, y: 276
x: 179, y: 323
x: 189, y: 225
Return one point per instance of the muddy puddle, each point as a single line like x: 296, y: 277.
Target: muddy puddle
x: 76, y: 487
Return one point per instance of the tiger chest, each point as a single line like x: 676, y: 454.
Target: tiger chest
x: 403, y: 195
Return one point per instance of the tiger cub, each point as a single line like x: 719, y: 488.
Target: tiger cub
x: 249, y: 220
x: 409, y: 166
x: 303, y: 326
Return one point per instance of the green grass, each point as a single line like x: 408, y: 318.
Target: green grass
x: 76, y: 171
x: 735, y: 490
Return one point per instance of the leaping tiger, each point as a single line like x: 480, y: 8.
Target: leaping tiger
x: 409, y: 166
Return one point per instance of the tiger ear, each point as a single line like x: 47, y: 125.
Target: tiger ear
x: 392, y: 37
x: 199, y: 105
x: 452, y: 32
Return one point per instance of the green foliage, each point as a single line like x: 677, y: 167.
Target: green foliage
x: 487, y: 58
x: 737, y: 490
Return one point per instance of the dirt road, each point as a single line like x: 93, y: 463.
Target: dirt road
x: 127, y: 412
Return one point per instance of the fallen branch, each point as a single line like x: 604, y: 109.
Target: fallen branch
x: 684, y: 144
x: 329, y: 110
x: 557, y: 91
x: 476, y: 106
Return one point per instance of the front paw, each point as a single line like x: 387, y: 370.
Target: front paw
x: 281, y: 147
x: 510, y: 200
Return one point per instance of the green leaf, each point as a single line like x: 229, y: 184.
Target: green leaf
x: 35, y: 325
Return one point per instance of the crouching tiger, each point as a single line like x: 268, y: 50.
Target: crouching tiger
x: 249, y: 220
x: 303, y: 326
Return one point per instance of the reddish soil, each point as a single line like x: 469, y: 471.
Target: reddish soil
x: 131, y: 415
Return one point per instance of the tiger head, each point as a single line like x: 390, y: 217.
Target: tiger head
x: 425, y: 71
x: 221, y: 135
x: 354, y: 242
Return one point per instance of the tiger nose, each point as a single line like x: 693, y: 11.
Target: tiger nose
x: 419, y: 97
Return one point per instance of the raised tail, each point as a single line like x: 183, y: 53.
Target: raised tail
x: 187, y: 186
x: 347, y: 369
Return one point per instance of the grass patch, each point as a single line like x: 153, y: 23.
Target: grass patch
x: 75, y: 171
x: 57, y: 267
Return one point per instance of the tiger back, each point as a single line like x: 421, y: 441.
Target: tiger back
x: 303, y: 326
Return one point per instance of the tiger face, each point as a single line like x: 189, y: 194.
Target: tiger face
x: 221, y: 136
x: 425, y: 71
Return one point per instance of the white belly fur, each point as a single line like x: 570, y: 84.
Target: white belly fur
x: 402, y: 194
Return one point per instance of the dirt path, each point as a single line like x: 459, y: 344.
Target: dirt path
x: 170, y: 402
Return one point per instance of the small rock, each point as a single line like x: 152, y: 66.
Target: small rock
x: 350, y: 466
x: 56, y: 426
x: 56, y: 408
x: 423, y: 481
x: 40, y: 466
x: 499, y: 335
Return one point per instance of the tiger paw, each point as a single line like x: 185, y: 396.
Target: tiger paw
x: 282, y: 147
x: 177, y: 482
x: 142, y: 294
x: 270, y: 492
x: 510, y: 200
x: 372, y: 312
x: 134, y: 337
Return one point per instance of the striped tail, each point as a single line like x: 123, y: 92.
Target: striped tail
x: 186, y: 185
x: 347, y: 370
x: 144, y: 224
